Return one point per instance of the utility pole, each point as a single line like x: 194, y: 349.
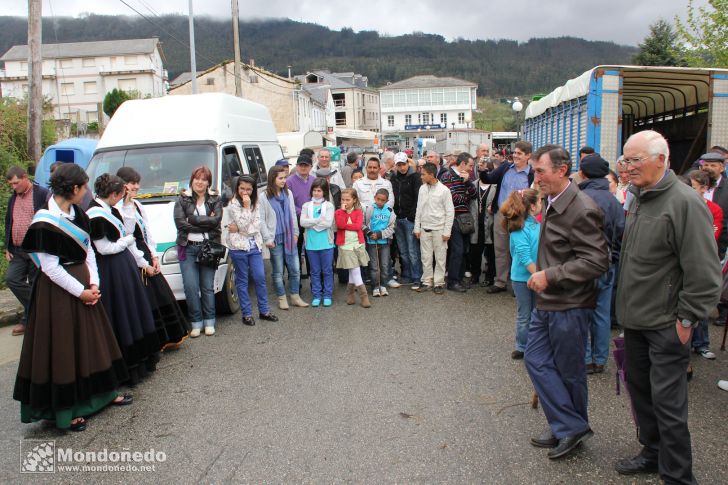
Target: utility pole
x: 193, y: 65
x: 236, y: 49
x: 35, y: 75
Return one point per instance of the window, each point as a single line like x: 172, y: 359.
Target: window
x: 407, y: 119
x: 400, y: 98
x: 127, y: 84
x: 130, y: 60
x: 24, y: 66
x: 425, y: 119
x: 461, y: 118
x: 256, y: 167
x: 89, y: 87
x: 89, y: 62
x: 210, y: 81
x: 92, y: 116
x: 387, y: 100
x: 424, y: 96
x: 66, y: 63
x: 443, y: 118
x: 437, y: 97
x: 67, y: 89
x: 230, y: 168
x: 412, y: 97
x: 450, y: 96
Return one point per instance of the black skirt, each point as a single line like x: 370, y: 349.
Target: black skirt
x: 171, y: 324
x: 125, y: 300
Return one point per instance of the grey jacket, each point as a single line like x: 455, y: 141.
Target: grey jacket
x: 669, y: 268
x: 268, y: 217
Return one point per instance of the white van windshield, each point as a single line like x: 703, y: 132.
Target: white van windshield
x: 163, y: 169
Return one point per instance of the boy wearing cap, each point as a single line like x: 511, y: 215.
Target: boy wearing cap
x: 592, y: 171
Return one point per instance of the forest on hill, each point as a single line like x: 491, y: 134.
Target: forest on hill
x: 500, y: 67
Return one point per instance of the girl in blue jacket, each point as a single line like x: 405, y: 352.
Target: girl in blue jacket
x: 519, y: 219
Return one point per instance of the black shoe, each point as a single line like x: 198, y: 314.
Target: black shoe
x: 516, y: 355
x: 545, y: 440
x: 78, y: 425
x: 486, y: 284
x: 423, y: 288
x: 248, y: 321
x: 495, y: 289
x: 268, y: 317
x: 125, y: 401
x: 568, y: 444
x: 457, y: 287
x: 438, y: 290
x: 633, y: 466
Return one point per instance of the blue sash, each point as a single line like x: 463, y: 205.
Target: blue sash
x: 140, y: 221
x: 75, y: 233
x: 100, y: 212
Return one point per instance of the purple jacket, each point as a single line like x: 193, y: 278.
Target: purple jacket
x: 300, y: 189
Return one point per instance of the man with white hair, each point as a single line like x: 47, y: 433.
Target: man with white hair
x: 324, y: 161
x: 669, y: 279
x: 387, y: 168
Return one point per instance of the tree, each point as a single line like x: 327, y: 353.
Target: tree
x: 113, y: 100
x: 660, y: 47
x: 705, y: 34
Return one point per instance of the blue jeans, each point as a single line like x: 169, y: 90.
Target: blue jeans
x: 277, y: 255
x: 555, y: 363
x: 701, y: 337
x: 322, y: 263
x: 456, y: 255
x: 597, y: 350
x: 250, y: 263
x: 379, y: 264
x: 525, y: 303
x: 409, y: 250
x: 199, y: 282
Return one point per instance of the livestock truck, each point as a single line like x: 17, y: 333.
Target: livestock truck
x: 605, y: 105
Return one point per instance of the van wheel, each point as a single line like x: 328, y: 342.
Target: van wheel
x: 226, y: 301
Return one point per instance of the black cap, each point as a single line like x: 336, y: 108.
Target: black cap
x: 594, y: 166
x: 304, y: 160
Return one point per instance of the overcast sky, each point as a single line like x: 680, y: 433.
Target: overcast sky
x: 621, y: 21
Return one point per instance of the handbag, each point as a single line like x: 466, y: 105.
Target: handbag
x: 466, y: 223
x: 210, y: 253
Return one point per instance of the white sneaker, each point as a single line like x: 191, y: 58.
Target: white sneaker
x: 706, y: 354
x: 723, y: 385
x: 468, y: 274
x: 383, y: 291
x: 209, y: 331
x: 376, y: 292
x: 195, y: 332
x: 394, y: 284
x: 416, y: 285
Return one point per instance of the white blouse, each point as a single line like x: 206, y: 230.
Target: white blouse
x: 52, y: 267
x: 104, y: 246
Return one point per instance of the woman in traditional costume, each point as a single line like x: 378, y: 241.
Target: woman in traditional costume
x: 70, y: 364
x: 125, y: 298
x: 171, y: 324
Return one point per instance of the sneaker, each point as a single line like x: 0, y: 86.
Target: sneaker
x: 209, y: 331
x: 423, y: 288
x: 495, y: 289
x: 376, y: 292
x: 723, y: 385
x: 438, y: 290
x: 327, y: 302
x: 195, y: 332
x: 706, y: 354
x: 393, y: 284
x: 383, y: 291
x: 416, y: 286
x: 468, y: 274
x: 315, y: 302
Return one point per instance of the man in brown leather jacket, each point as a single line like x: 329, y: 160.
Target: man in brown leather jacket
x: 572, y: 254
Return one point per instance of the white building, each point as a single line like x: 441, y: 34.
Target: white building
x: 425, y: 106
x: 77, y: 75
x: 356, y: 105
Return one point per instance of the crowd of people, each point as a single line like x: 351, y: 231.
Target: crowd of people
x: 582, y: 250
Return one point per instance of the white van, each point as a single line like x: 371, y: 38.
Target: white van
x: 164, y: 139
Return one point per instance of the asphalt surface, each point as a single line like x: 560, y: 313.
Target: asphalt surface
x: 419, y: 388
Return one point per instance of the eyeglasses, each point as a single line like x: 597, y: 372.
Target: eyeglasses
x: 633, y: 161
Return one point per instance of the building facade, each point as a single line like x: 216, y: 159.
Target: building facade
x: 423, y: 107
x: 292, y: 108
x: 77, y: 76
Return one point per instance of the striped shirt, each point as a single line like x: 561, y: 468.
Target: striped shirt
x: 462, y: 192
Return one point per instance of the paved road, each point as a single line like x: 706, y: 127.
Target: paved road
x: 419, y: 388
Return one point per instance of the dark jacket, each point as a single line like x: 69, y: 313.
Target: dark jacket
x: 335, y: 192
x: 187, y: 221
x: 572, y: 251
x: 406, y: 189
x: 496, y: 177
x: 598, y: 190
x: 720, y: 197
x: 669, y: 269
x: 40, y: 197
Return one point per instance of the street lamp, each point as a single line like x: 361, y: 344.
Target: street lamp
x: 468, y: 120
x: 517, y: 106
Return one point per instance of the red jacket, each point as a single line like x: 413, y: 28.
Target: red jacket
x: 357, y: 222
x: 717, y: 213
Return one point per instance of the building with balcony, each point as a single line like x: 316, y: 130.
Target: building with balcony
x: 356, y: 105
x: 77, y: 75
x: 425, y: 107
